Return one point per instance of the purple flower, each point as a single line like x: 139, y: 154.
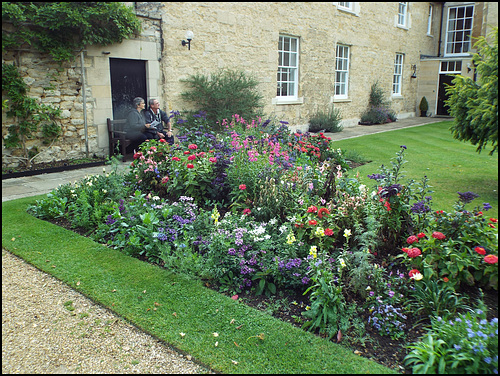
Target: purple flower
x: 486, y: 206
x: 467, y: 197
x: 305, y: 280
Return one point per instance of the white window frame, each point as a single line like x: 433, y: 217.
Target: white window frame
x: 402, y: 14
x: 397, y: 80
x: 452, y: 34
x: 292, y: 68
x: 342, y: 63
x: 429, y: 20
x: 348, y: 7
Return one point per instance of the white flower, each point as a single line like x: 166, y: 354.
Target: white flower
x: 417, y: 276
x: 156, y: 198
x: 182, y: 334
x: 89, y: 183
x: 215, y: 334
x: 347, y: 233
x: 104, y: 191
x: 362, y: 188
x: 342, y: 262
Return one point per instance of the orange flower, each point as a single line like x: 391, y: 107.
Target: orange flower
x: 480, y: 250
x: 445, y: 279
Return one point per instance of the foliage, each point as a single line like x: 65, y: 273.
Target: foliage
x: 61, y: 28
x: 222, y: 94
x: 327, y: 121
x: 467, y: 344
x: 474, y: 105
x: 32, y: 116
x: 378, y: 111
x: 432, y: 298
x: 454, y: 247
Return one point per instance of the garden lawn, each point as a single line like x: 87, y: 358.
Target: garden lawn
x: 165, y: 305
x: 452, y: 166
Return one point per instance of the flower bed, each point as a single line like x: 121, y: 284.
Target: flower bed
x: 260, y: 210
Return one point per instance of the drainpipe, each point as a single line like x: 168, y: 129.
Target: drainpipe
x: 84, y: 106
x: 440, y: 29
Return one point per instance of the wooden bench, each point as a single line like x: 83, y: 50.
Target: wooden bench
x: 118, y: 137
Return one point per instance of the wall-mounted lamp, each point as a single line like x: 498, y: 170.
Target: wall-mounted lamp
x: 414, y: 74
x: 189, y: 37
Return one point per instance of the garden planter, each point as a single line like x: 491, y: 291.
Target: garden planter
x: 51, y: 169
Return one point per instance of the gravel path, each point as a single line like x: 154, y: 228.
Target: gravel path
x: 41, y: 334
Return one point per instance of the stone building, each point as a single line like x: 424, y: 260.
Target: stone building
x: 306, y: 56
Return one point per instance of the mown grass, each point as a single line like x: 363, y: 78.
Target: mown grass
x: 165, y: 304
x: 452, y: 166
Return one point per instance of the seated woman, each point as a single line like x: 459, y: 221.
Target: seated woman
x: 137, y: 129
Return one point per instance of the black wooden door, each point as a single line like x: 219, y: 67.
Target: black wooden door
x: 128, y: 80
x: 442, y: 109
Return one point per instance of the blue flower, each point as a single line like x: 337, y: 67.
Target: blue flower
x: 487, y: 360
x: 486, y: 206
x: 457, y: 347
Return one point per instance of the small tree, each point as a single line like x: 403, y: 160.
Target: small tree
x: 224, y: 94
x: 475, y: 105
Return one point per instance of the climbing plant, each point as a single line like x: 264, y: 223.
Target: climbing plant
x: 59, y: 29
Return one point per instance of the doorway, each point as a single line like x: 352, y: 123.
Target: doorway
x: 128, y: 80
x: 446, y: 71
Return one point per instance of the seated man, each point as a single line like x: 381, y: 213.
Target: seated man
x: 156, y: 118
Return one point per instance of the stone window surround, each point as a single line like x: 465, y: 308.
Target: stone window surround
x: 466, y: 5
x: 346, y: 71
x: 291, y: 99
x: 397, y: 84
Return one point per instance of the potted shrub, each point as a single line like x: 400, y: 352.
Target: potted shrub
x: 424, y: 106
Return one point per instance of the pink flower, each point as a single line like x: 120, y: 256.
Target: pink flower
x: 412, y: 239
x: 189, y: 165
x: 438, y: 235
x: 164, y: 180
x: 413, y: 272
x: 212, y: 159
x: 414, y: 252
x: 491, y: 259
x: 312, y: 209
x: 246, y: 211
x: 328, y: 232
x: 176, y: 159
x: 480, y: 250
x: 421, y: 235
x: 192, y: 146
x: 243, y: 187
x: 191, y: 157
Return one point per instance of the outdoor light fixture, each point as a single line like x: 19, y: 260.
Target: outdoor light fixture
x: 189, y: 37
x: 414, y: 74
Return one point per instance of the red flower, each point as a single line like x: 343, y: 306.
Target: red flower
x: 491, y: 259
x: 162, y: 140
x: 164, y: 180
x: 176, y: 159
x: 328, y: 232
x: 414, y: 252
x: 312, y: 222
x: 312, y: 209
x: 322, y: 212
x: 187, y: 152
x: 299, y: 225
x: 494, y: 220
x: 405, y: 250
x: 387, y: 206
x: 491, y: 225
x: 413, y: 272
x: 137, y: 155
x: 246, y: 211
x: 439, y: 212
x: 438, y: 235
x: 445, y: 279
x: 412, y: 239
x: 421, y: 235
x: 189, y: 165
x: 479, y: 213
x: 480, y: 250
x: 243, y: 187
x: 191, y: 157
x: 192, y: 146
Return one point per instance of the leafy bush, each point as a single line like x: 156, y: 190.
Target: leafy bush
x: 468, y: 344
x: 223, y: 94
x: 378, y: 111
x: 328, y: 122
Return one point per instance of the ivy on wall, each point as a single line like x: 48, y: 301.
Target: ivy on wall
x: 59, y: 29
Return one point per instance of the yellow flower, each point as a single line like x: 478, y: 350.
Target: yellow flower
x: 347, y: 233
x: 313, y: 251
x: 290, y: 238
x: 417, y: 276
x: 319, y: 232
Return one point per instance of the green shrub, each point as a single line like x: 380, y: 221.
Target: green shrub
x: 378, y: 111
x: 327, y: 121
x: 223, y: 94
